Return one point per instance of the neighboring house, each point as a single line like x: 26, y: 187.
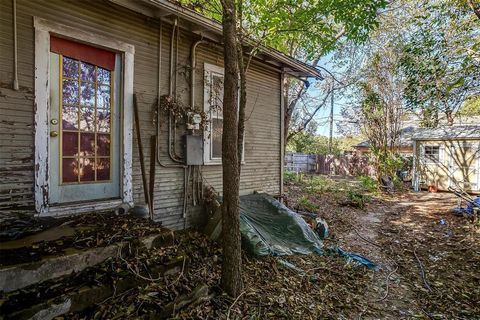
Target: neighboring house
x: 447, y: 157
x: 404, y: 143
x: 67, y: 142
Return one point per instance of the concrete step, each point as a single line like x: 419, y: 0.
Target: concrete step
x: 22, y: 275
x: 18, y: 305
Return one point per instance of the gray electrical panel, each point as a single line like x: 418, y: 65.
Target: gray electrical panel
x: 194, y: 150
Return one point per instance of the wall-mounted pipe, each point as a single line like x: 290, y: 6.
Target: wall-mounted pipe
x: 193, y: 65
x: 15, y: 47
x: 174, y: 147
x: 172, y: 136
x: 160, y: 39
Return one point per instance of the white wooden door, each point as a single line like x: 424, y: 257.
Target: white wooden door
x: 84, y: 120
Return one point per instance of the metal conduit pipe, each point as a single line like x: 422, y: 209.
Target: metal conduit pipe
x: 174, y: 147
x: 15, y: 47
x: 193, y: 65
x: 160, y: 38
x: 170, y: 92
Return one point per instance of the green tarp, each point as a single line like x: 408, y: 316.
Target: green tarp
x: 269, y: 228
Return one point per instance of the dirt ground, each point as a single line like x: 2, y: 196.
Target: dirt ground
x: 429, y: 258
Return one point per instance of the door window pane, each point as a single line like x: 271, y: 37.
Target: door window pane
x: 103, y: 144
x: 86, y: 122
x: 70, y: 92
x: 87, y: 72
x: 217, y: 130
x: 103, y: 76
x: 70, y: 68
x: 103, y: 169
x: 103, y: 121
x: 70, y: 117
x: 87, y: 119
x: 69, y: 170
x: 87, y: 144
x: 103, y: 97
x: 87, y: 169
x: 87, y: 94
x: 70, y: 144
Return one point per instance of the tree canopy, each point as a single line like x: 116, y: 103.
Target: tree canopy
x: 441, y: 60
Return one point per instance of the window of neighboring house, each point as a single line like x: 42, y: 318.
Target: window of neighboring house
x: 432, y: 153
x: 213, y: 107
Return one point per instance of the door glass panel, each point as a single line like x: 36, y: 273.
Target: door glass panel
x: 103, y: 169
x: 70, y: 118
x: 103, y: 121
x: 69, y: 170
x: 87, y: 169
x: 103, y: 97
x: 69, y: 144
x: 70, y: 68
x: 87, y: 72
x: 70, y: 92
x: 217, y: 130
x: 86, y: 122
x: 87, y: 119
x: 87, y: 144
x: 103, y: 144
x: 103, y: 76
x: 87, y: 94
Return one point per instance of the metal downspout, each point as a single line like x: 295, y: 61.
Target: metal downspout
x: 15, y: 47
x: 174, y: 147
x: 193, y: 65
x: 170, y: 93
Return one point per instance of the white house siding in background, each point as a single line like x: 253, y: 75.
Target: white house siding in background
x: 262, y: 167
x: 448, y: 163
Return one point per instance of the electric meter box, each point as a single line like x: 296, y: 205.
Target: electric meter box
x: 194, y: 150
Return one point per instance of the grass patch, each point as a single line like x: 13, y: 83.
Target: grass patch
x: 369, y: 184
x: 305, y: 204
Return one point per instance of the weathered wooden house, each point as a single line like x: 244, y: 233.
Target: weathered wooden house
x: 68, y: 74
x: 447, y: 157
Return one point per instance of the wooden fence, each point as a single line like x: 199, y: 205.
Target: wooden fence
x: 346, y: 165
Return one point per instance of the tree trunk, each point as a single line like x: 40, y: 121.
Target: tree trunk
x: 232, y: 255
x: 243, y: 94
x: 474, y: 7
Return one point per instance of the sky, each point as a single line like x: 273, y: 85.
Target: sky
x: 323, y: 115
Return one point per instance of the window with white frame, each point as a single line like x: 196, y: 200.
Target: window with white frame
x: 213, y: 107
x: 432, y: 153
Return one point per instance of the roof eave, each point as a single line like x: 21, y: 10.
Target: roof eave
x: 212, y: 30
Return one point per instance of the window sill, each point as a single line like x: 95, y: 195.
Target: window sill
x: 218, y: 163
x: 213, y: 163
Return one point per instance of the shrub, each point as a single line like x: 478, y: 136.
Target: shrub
x: 357, y: 199
x: 369, y: 184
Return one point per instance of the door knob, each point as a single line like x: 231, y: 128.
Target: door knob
x: 53, y: 134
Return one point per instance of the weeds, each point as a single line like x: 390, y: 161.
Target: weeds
x: 358, y: 200
x: 305, y: 204
x: 289, y: 176
x: 369, y: 184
